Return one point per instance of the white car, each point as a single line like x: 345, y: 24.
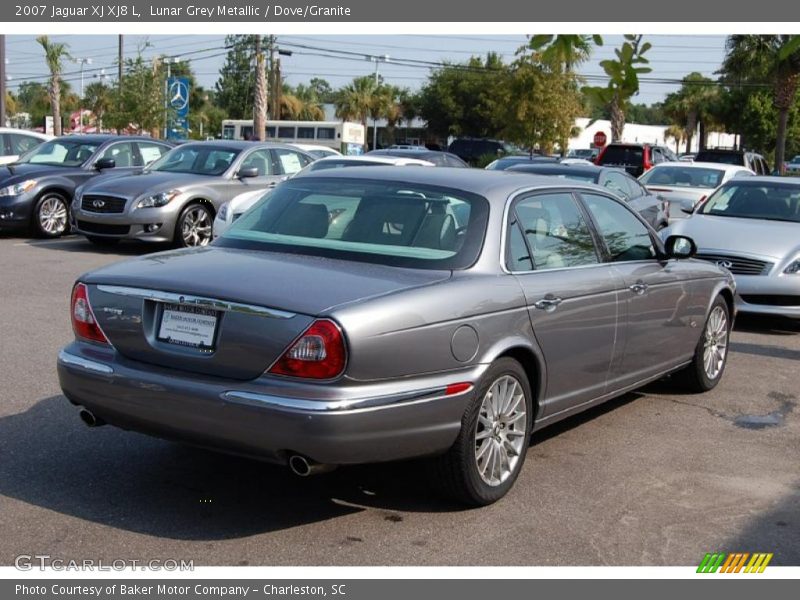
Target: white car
x: 683, y: 185
x: 230, y: 211
x: 793, y: 166
x: 316, y: 150
x: 16, y: 142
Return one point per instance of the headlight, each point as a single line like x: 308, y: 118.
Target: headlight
x: 18, y: 188
x: 157, y: 200
x: 793, y: 268
x: 223, y: 211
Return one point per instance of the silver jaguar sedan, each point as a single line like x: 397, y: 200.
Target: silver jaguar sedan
x: 752, y: 228
x: 176, y: 198
x: 373, y: 314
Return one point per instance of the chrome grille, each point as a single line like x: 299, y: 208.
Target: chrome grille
x: 102, y: 204
x: 739, y: 265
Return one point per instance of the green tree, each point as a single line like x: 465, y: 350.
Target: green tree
x: 54, y: 54
x: 140, y: 107
x: 692, y: 106
x: 774, y: 59
x: 466, y: 99
x: 565, y: 51
x: 235, y: 88
x: 99, y: 99
x: 355, y: 101
x: 322, y: 90
x: 301, y: 103
x: 623, y: 81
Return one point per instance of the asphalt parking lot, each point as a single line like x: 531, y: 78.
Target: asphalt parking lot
x: 657, y: 477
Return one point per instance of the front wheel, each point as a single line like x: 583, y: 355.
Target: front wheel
x: 51, y: 215
x: 194, y: 226
x: 711, y: 354
x: 486, y: 458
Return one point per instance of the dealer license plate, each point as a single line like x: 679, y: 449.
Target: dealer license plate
x: 190, y: 326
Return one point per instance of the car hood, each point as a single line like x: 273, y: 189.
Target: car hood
x: 773, y: 239
x: 11, y: 174
x: 141, y: 183
x: 302, y: 284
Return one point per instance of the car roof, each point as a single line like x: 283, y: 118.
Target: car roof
x: 307, y: 147
x: 37, y: 134
x: 483, y: 182
x: 382, y: 160
x: 558, y: 168
x: 769, y: 179
x: 106, y: 137
x: 702, y: 165
x: 408, y: 152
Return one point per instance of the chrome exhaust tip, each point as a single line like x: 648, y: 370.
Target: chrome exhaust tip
x: 89, y: 418
x: 303, y: 467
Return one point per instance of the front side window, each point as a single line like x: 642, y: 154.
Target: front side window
x: 553, y: 230
x: 62, y: 152
x: 384, y: 222
x: 197, y: 159
x: 259, y: 160
x: 121, y: 153
x: 625, y: 236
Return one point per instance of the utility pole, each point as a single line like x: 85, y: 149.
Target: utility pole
x: 119, y: 74
x: 376, y: 60
x: 2, y: 80
x: 260, y: 99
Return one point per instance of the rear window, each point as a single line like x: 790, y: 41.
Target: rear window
x: 683, y: 177
x: 623, y: 155
x: 390, y: 223
x: 728, y: 158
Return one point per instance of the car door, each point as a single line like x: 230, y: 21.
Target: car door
x: 571, y: 295
x: 232, y: 185
x: 662, y: 311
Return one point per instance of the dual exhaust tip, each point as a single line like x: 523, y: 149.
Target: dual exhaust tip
x: 298, y: 464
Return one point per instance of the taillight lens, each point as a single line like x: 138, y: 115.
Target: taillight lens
x: 647, y: 164
x: 83, y: 322
x: 319, y: 353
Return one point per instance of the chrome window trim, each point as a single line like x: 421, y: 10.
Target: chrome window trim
x: 213, y: 303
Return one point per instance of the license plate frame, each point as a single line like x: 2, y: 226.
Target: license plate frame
x: 188, y: 326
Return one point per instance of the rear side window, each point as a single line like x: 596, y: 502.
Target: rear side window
x: 554, y: 231
x: 20, y: 144
x: 624, y: 235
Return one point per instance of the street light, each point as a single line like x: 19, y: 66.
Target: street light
x: 376, y: 60
x: 81, y: 62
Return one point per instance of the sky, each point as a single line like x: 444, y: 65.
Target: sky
x: 340, y: 58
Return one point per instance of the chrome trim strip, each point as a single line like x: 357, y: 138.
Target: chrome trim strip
x: 337, y: 406
x: 89, y: 365
x: 172, y: 298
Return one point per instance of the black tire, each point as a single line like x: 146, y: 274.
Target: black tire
x: 50, y: 228
x: 456, y: 473
x: 189, y: 212
x: 103, y: 242
x: 695, y: 377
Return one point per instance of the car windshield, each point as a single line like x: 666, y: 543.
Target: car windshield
x: 197, y: 159
x: 385, y: 222
x: 62, y: 152
x: 774, y: 202
x: 683, y: 177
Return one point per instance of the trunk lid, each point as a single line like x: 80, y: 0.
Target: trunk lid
x: 242, y: 308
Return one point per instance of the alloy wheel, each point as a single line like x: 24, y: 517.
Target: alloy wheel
x: 500, y: 430
x: 715, y: 346
x: 196, y: 227
x: 53, y: 215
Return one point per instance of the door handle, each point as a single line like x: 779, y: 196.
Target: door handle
x: 638, y: 288
x: 548, y: 303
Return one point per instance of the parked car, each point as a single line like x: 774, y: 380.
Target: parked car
x: 687, y: 157
x: 793, y: 166
x: 16, y: 142
x: 501, y: 164
x: 634, y: 158
x: 589, y: 154
x: 36, y: 191
x: 473, y: 149
x: 440, y: 159
x: 684, y: 184
x: 652, y: 208
x: 751, y: 227
x: 230, y: 211
x: 372, y: 314
x: 316, y: 150
x: 176, y: 198
x: 751, y: 160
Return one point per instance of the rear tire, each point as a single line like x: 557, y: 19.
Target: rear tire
x: 711, y: 354
x: 487, y: 457
x: 50, y: 216
x: 103, y: 242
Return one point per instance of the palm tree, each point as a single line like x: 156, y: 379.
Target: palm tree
x: 306, y: 103
x: 98, y: 99
x: 54, y: 53
x: 566, y: 50
x: 354, y: 102
x: 774, y: 59
x: 677, y: 133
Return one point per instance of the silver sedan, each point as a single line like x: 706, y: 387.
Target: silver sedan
x: 374, y: 313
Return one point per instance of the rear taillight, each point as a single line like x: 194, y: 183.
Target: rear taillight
x: 600, y: 156
x: 319, y: 353
x: 647, y: 164
x: 83, y: 322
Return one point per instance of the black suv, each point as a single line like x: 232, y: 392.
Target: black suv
x: 634, y: 158
x: 751, y: 160
x: 472, y: 149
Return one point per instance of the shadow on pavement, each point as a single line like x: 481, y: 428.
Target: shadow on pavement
x: 767, y: 325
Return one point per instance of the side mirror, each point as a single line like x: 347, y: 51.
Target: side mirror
x: 680, y: 246
x: 687, y: 206
x: 247, y: 173
x: 105, y: 163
